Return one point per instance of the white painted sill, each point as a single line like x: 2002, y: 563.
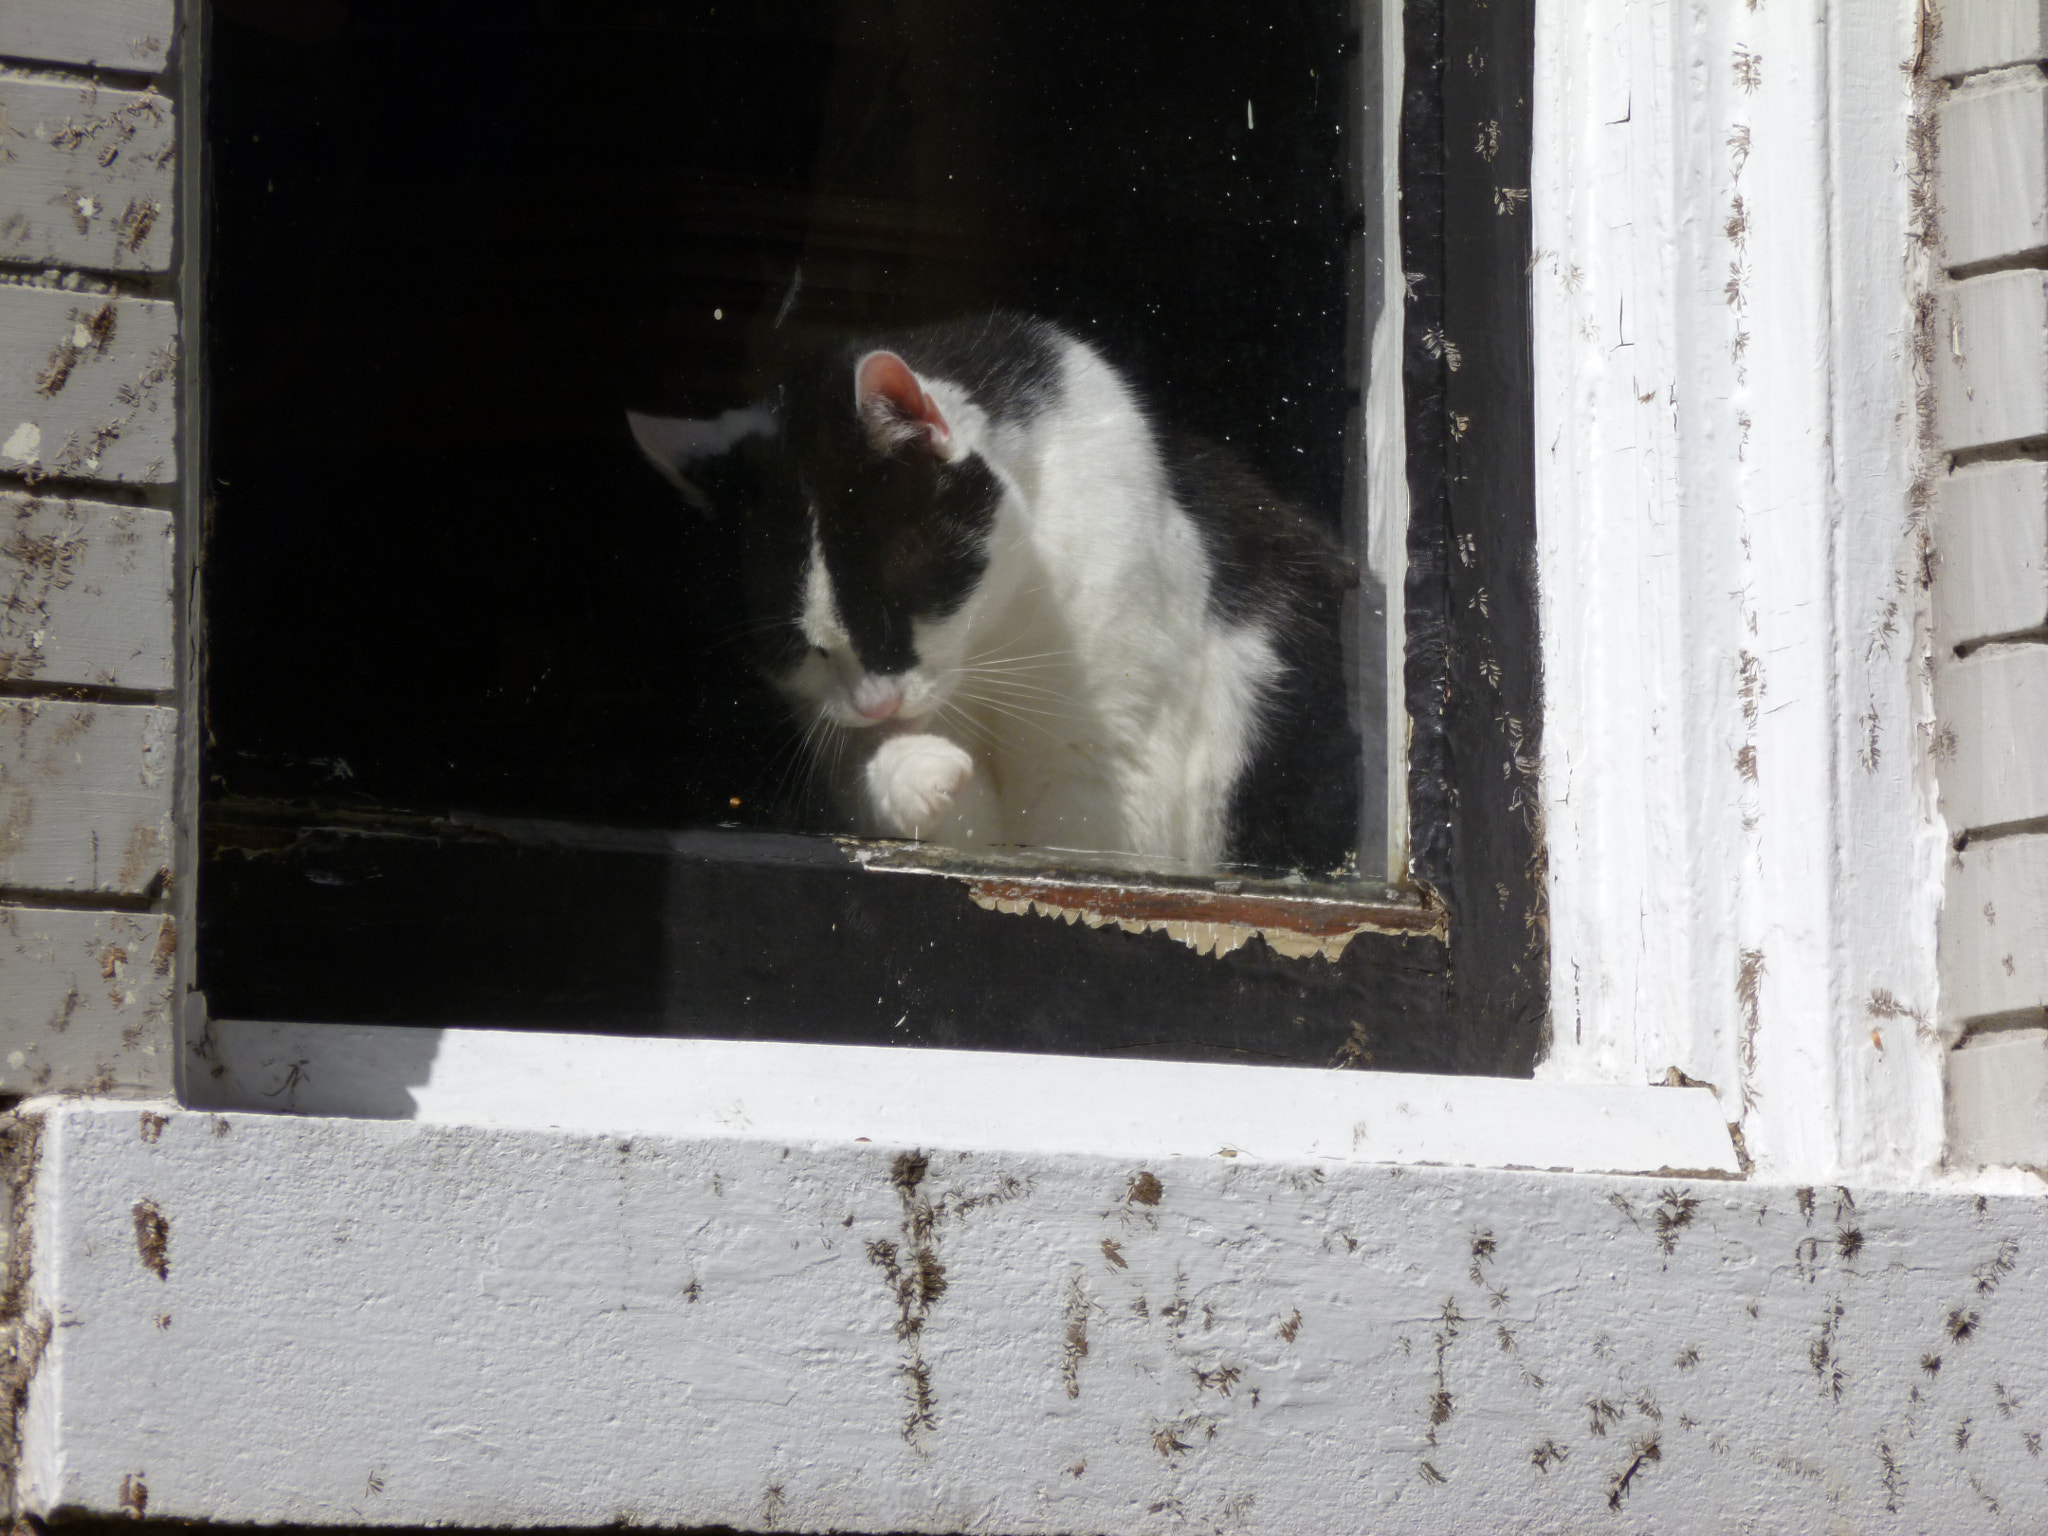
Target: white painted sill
x: 965, y: 1101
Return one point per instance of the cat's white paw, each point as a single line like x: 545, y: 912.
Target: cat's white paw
x: 911, y: 782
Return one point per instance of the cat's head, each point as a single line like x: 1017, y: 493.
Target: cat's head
x: 867, y: 516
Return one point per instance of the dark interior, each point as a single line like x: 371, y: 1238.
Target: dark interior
x: 450, y: 245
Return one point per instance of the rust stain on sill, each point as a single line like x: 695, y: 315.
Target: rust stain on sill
x: 1208, y: 921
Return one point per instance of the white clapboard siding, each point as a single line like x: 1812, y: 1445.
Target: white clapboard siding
x: 85, y: 795
x: 85, y: 593
x: 104, y: 34
x: 88, y: 385
x: 1994, y: 929
x: 1998, y: 1100
x: 1994, y: 165
x: 1991, y: 371
x: 1986, y: 34
x: 86, y: 175
x: 1991, y: 724
x: 87, y: 1002
x: 1991, y: 534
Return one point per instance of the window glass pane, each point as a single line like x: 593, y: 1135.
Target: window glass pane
x: 1097, y: 576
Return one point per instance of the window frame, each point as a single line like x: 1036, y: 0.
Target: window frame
x: 1452, y: 979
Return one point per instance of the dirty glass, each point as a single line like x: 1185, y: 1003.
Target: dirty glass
x: 597, y: 395
x: 448, y: 257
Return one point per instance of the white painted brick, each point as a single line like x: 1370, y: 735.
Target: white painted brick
x: 106, y: 34
x: 89, y: 176
x: 85, y: 795
x: 1991, y: 367
x: 85, y: 593
x: 88, y: 385
x: 87, y: 1004
x: 1994, y: 170
x: 1994, y: 929
x: 1991, y: 536
x: 1984, y: 34
x: 1991, y: 716
x: 1998, y: 1100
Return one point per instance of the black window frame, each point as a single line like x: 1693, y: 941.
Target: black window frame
x: 1455, y: 982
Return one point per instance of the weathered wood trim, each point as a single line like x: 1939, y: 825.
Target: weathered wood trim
x: 87, y: 1004
x: 1736, y: 783
x: 85, y: 593
x: 86, y: 175
x: 85, y: 796
x: 87, y: 386
x: 123, y: 35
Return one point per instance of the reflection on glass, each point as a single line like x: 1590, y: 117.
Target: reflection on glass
x: 1007, y: 362
x: 1068, y: 574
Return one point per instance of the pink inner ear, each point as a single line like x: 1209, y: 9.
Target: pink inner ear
x: 895, y: 407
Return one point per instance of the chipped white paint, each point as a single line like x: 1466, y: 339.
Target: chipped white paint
x: 1994, y: 168
x: 1988, y: 34
x: 964, y: 1100
x: 1991, y: 366
x: 85, y: 795
x: 107, y: 34
x: 1202, y: 937
x: 85, y: 593
x: 431, y: 1324
x: 1993, y: 742
x: 1991, y: 544
x: 86, y: 175
x: 24, y: 445
x: 1994, y: 929
x: 103, y: 408
x: 87, y: 1001
x: 1741, y: 843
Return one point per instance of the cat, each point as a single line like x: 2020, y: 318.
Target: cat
x: 1009, y: 610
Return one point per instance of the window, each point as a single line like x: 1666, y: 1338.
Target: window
x: 480, y: 749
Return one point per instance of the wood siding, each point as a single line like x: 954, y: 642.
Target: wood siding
x: 88, y: 459
x: 89, y: 175
x: 1990, y: 533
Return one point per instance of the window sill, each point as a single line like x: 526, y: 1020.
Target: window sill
x: 978, y: 1101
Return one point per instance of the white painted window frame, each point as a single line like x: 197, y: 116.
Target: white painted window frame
x: 1745, y: 851
x: 1604, y: 1120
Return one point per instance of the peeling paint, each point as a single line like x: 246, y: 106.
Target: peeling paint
x: 1209, y: 922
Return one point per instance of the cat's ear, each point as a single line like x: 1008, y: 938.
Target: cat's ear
x: 677, y: 445
x: 896, y: 410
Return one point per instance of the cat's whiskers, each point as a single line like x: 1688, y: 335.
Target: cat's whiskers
x: 1022, y: 719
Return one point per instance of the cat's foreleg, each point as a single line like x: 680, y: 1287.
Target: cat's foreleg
x: 915, y: 785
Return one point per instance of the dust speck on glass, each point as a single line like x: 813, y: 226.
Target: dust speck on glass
x: 928, y: 423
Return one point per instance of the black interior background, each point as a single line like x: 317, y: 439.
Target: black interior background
x: 449, y: 245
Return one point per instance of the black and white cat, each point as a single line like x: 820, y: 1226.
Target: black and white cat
x: 1013, y: 614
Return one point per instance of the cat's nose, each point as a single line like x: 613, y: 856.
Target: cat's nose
x: 876, y: 699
